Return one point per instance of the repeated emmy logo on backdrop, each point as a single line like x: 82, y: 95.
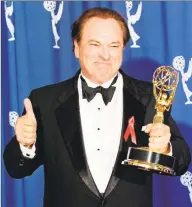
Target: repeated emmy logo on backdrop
x: 13, y: 116
x: 8, y: 13
x: 50, y: 6
x: 131, y: 20
x: 179, y: 64
x: 186, y: 180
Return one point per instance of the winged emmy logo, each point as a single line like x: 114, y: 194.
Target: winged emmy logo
x: 179, y: 64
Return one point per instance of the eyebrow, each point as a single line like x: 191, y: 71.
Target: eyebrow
x: 95, y: 41
x: 117, y: 42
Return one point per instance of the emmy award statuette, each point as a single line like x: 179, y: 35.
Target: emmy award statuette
x: 165, y: 80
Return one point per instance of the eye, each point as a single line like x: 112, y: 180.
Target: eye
x: 115, y: 46
x: 93, y: 44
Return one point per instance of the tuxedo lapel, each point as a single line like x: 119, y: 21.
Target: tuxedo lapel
x: 132, y: 107
x: 68, y: 118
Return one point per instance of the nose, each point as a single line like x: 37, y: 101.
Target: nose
x: 104, y: 53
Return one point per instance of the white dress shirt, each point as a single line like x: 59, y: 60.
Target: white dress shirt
x: 101, y: 127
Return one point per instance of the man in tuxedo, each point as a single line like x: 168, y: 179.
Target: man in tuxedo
x: 75, y: 128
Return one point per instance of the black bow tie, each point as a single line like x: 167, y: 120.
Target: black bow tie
x: 89, y: 93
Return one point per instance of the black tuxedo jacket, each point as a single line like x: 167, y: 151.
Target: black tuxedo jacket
x: 59, y: 147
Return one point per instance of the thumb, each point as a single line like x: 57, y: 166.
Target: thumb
x: 29, y: 108
x: 148, y: 128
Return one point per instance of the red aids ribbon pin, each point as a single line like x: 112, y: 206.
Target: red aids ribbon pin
x: 130, y: 130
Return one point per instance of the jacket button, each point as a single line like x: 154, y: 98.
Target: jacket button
x: 21, y: 162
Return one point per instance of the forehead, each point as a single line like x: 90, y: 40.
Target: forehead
x: 102, y: 30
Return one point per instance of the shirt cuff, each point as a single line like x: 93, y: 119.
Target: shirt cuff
x: 171, y: 150
x: 28, y: 153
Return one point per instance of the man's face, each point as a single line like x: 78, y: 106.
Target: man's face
x: 100, y: 50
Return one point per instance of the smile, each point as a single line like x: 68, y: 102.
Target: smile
x: 102, y: 63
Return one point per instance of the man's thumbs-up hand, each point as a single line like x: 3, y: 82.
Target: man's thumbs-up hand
x: 29, y: 109
x: 26, y: 126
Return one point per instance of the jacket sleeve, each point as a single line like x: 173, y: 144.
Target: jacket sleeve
x: 16, y: 164
x: 180, y: 148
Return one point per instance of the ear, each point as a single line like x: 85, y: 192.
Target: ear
x: 76, y: 49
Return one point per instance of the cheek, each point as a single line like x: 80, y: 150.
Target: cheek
x: 90, y: 57
x: 87, y: 60
x: 86, y: 53
x: 117, y: 60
